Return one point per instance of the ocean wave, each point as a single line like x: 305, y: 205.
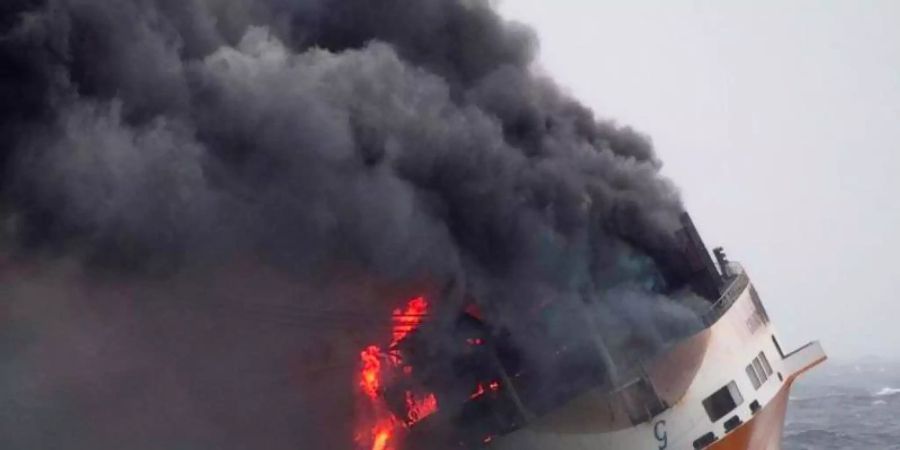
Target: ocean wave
x: 816, y: 435
x: 887, y: 391
x: 830, y: 396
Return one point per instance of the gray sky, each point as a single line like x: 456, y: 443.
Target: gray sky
x: 781, y: 123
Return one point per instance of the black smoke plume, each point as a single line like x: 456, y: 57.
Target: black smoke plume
x: 205, y: 202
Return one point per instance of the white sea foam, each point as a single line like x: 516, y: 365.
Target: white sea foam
x: 884, y: 392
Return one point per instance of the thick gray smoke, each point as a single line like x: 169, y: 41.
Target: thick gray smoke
x: 166, y: 160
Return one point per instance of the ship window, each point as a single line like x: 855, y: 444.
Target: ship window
x: 753, y: 377
x: 765, y: 363
x: 732, y: 423
x: 754, y: 407
x: 723, y: 401
x: 704, y: 441
x: 759, y: 370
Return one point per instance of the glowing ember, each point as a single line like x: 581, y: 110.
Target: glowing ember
x: 419, y: 409
x: 480, y: 390
x: 380, y: 435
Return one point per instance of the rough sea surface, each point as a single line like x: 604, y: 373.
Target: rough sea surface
x: 843, y: 405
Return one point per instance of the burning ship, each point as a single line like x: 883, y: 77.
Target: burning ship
x: 182, y: 154
x: 724, y: 386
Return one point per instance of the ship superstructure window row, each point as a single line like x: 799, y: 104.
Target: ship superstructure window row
x: 759, y: 370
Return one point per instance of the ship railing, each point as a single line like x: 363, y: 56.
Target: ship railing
x: 737, y: 280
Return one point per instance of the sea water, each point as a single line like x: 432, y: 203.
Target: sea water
x: 846, y: 405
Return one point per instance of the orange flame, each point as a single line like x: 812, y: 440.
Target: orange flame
x: 380, y: 435
x: 381, y: 440
x: 371, y: 371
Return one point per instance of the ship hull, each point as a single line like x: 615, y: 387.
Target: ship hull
x: 727, y: 387
x: 764, y: 431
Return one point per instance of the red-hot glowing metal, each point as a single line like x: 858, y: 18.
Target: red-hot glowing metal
x: 418, y: 409
x: 406, y: 321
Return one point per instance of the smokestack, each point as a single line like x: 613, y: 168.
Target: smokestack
x: 162, y: 159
